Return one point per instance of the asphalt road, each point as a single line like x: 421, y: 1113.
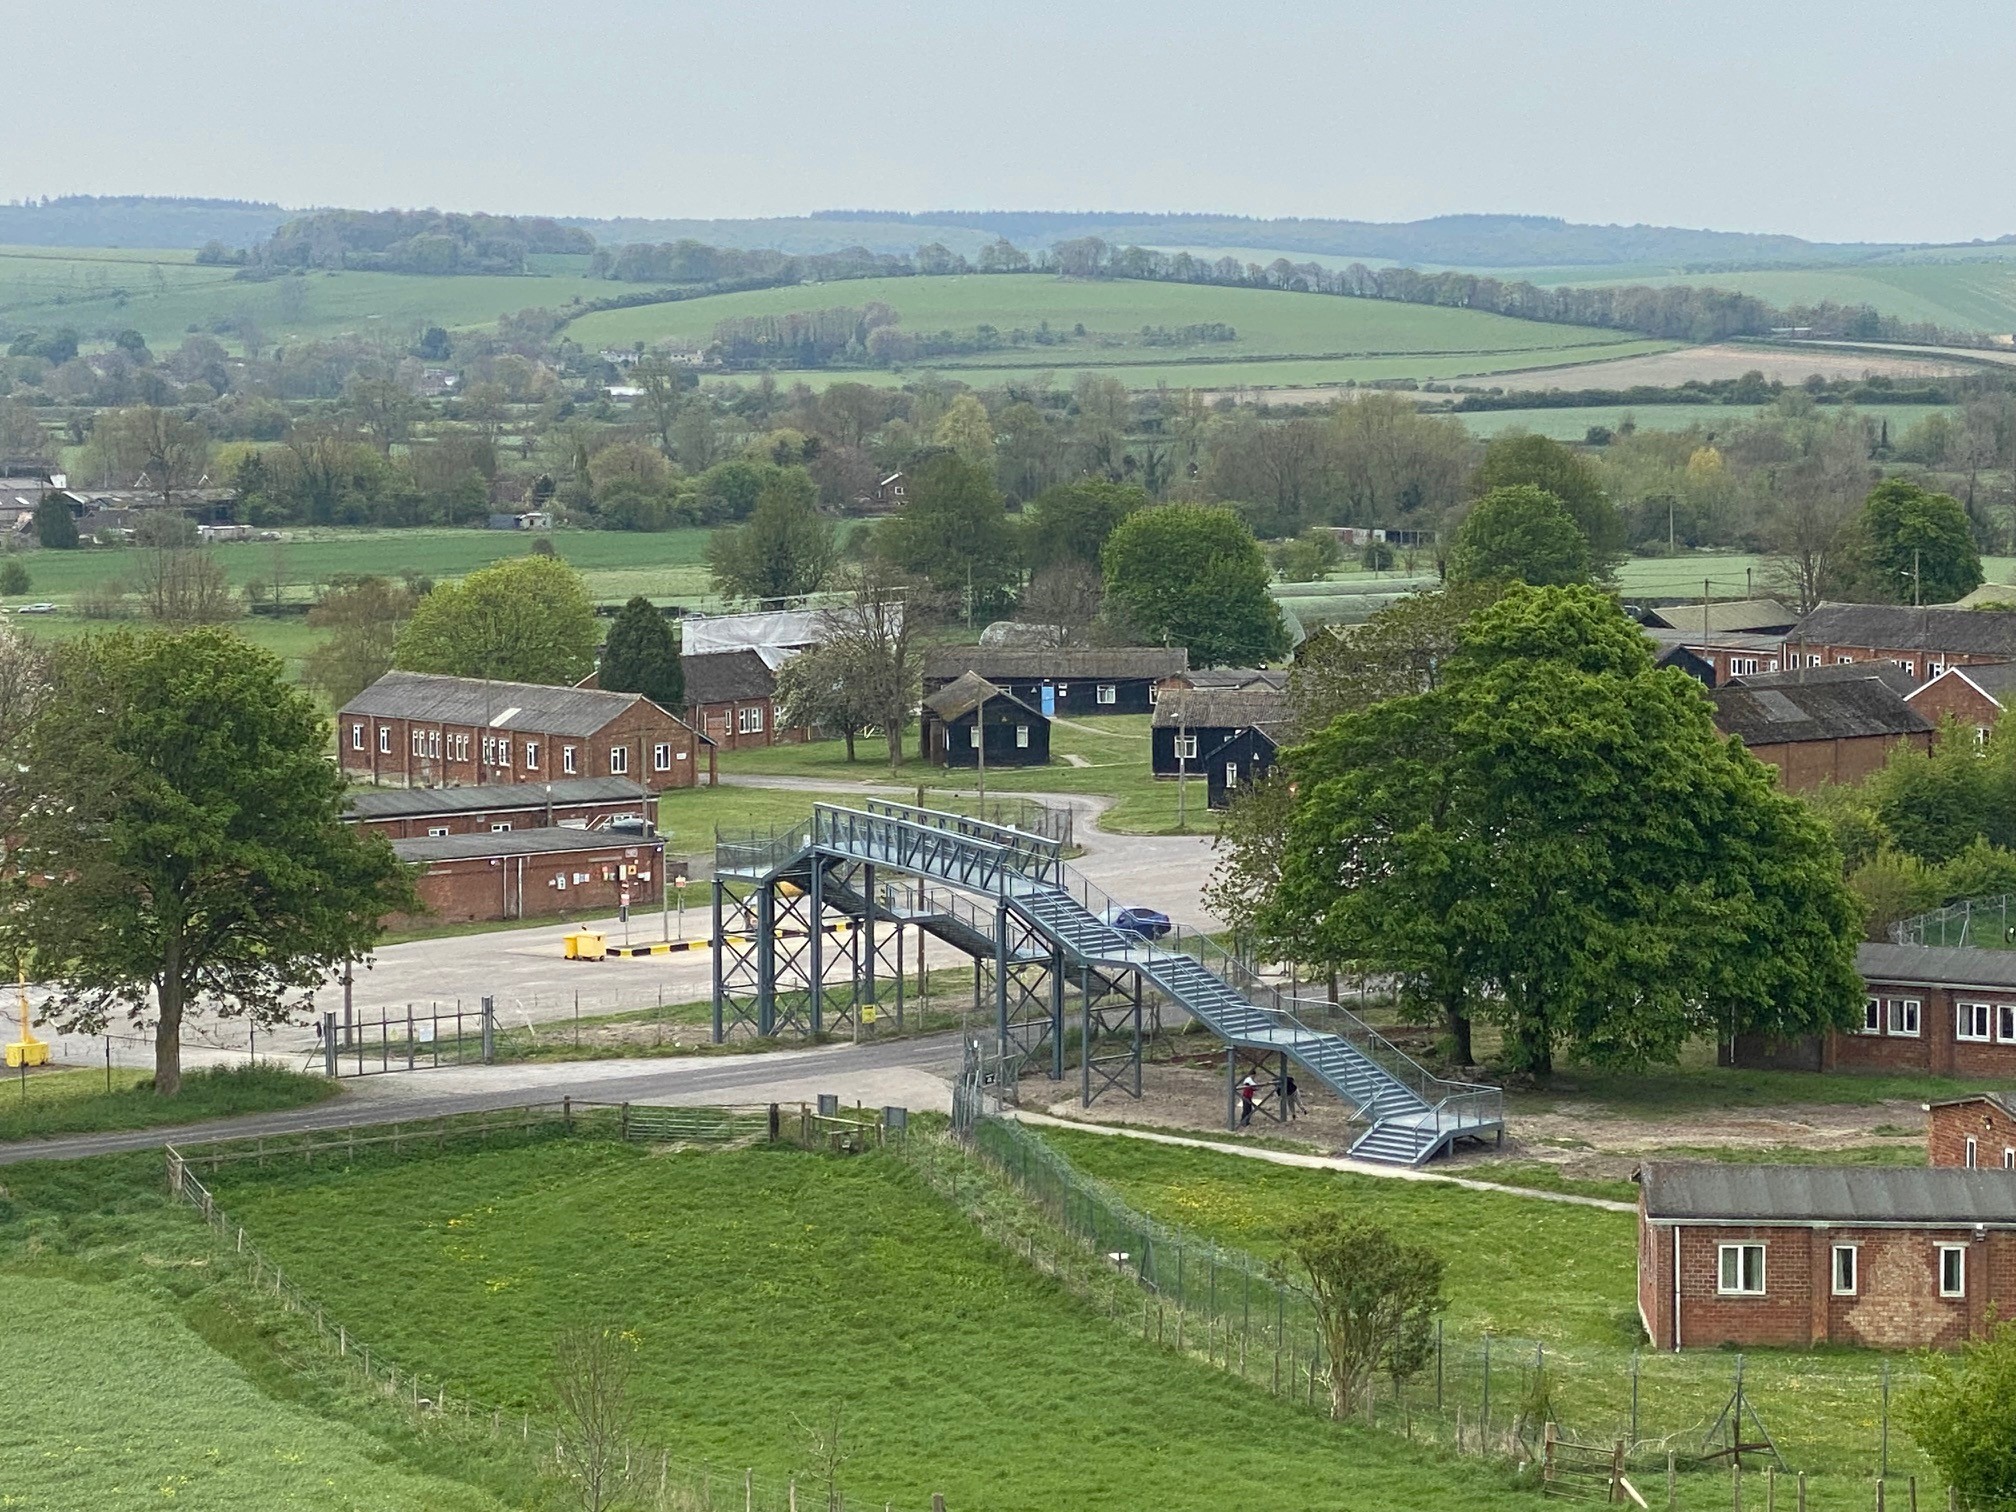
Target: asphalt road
x: 907, y: 1073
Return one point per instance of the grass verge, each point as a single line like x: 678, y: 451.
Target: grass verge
x: 75, y: 1102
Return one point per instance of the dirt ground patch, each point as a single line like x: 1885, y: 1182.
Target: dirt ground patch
x: 1726, y: 361
x: 1585, y: 1141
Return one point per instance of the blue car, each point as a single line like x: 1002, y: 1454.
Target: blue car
x: 1148, y: 923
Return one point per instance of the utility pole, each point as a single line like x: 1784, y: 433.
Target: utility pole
x: 1182, y: 779
x: 980, y: 741
x: 1917, y: 597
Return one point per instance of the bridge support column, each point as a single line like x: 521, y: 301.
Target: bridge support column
x: 1085, y: 1031
x: 1000, y: 974
x: 1231, y: 1088
x: 865, y: 991
x: 719, y: 950
x: 766, y: 959
x: 815, y: 944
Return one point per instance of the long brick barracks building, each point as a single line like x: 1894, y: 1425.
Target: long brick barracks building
x: 415, y: 729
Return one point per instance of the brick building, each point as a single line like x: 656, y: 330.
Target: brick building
x: 528, y: 873
x: 1925, y: 642
x: 593, y: 803
x: 731, y: 698
x: 415, y: 729
x: 1940, y: 1009
x: 1838, y: 731
x: 1973, y: 697
x: 1725, y: 655
x: 1884, y: 1257
x: 1054, y: 680
x: 1971, y: 1132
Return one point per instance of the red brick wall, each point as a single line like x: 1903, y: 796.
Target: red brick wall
x: 638, y: 731
x: 1805, y: 764
x: 1896, y: 1304
x: 485, y: 887
x: 1935, y: 1048
x: 1949, y: 1128
x: 1962, y: 702
x: 417, y: 825
x: 723, y: 722
x: 1801, y: 653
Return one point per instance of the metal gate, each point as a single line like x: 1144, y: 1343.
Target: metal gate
x: 419, y: 1038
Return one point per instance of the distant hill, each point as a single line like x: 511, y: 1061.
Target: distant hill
x: 136, y: 220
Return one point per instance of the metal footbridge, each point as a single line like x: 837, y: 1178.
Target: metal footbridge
x: 1003, y: 895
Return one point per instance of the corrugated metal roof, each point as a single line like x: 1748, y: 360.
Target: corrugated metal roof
x: 1711, y: 1191
x: 533, y: 707
x: 1942, y: 627
x: 1020, y: 663
x: 528, y: 842
x: 1936, y: 965
x: 490, y: 797
x: 1842, y: 710
x: 1737, y: 614
x: 1888, y: 673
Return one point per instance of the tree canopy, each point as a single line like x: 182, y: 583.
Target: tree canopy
x: 1069, y: 522
x: 641, y: 655
x: 1962, y: 1412
x: 1912, y: 545
x: 1544, y: 463
x: 363, y: 620
x: 1519, y: 534
x: 785, y: 550
x: 1556, y: 838
x: 527, y: 619
x: 953, y: 531
x: 1192, y: 575
x: 180, y: 839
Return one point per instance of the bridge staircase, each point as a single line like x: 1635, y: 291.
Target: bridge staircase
x: 1006, y: 894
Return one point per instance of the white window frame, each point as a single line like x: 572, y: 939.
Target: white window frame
x: 1844, y: 661
x: 434, y: 744
x: 1973, y: 1021
x: 1231, y: 774
x: 2005, y: 1023
x: 1186, y: 747
x: 1903, y: 1018
x: 500, y: 827
x: 531, y: 755
x: 1021, y: 737
x: 1907, y: 664
x: 1746, y: 1285
x: 2009, y: 1157
x: 1063, y: 691
x: 619, y: 761
x: 661, y: 756
x: 567, y: 759
x: 1953, y: 1265
x: 1816, y: 659
x: 489, y: 750
x: 1154, y: 694
x: 419, y: 739
x: 973, y: 735
x: 356, y: 737
x: 1872, y: 1016
x: 384, y: 740
x: 1971, y: 1158
x: 1844, y: 1277
x: 1109, y: 693
x: 436, y: 831
x: 1743, y: 666
x: 504, y: 750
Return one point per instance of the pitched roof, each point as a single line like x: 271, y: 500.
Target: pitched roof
x: 2006, y: 1101
x: 1941, y: 627
x: 1021, y: 663
x: 525, y: 842
x: 1844, y: 710
x: 1990, y: 595
x: 1996, y: 679
x: 1886, y: 672
x: 1734, y: 614
x: 725, y: 676
x: 962, y: 696
x: 1722, y: 640
x: 489, y: 797
x: 1221, y: 708
x: 1236, y: 677
x: 1711, y: 1191
x: 533, y: 707
x: 1935, y: 965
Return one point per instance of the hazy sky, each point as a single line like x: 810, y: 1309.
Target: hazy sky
x: 1841, y: 121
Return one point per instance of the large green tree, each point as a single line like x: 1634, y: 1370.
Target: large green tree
x: 642, y: 656
x: 527, y: 619
x: 1192, y: 575
x: 1910, y: 545
x: 1544, y: 463
x: 786, y: 550
x: 1557, y: 839
x: 1962, y: 1412
x: 363, y: 620
x: 1071, y: 521
x: 178, y: 841
x: 954, y: 532
x: 1519, y: 534
x: 55, y: 526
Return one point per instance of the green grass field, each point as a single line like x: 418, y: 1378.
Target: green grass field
x: 1977, y: 295
x: 764, y: 1288
x: 163, y: 294
x: 44, y: 1103
x: 1574, y: 424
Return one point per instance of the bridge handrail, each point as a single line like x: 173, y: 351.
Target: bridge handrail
x: 1011, y: 840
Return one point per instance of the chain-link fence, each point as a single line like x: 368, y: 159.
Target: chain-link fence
x: 1984, y: 923
x: 1673, y: 1417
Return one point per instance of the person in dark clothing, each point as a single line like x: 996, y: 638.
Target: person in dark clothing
x: 1291, y: 1097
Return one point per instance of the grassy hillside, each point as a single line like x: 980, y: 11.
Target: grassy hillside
x: 1574, y: 424
x: 162, y: 294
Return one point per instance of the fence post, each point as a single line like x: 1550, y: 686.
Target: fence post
x: 1883, y: 1461
x: 489, y: 1031
x: 1616, y: 1471
x: 1802, y: 1491
x: 1438, y: 1364
x: 623, y: 1121
x: 1673, y: 1481
x: 567, y: 1111
x: 329, y: 1045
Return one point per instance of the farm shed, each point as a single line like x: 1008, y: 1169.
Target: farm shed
x: 527, y: 873
x: 1972, y: 1131
x: 1015, y: 734
x: 1885, y: 1257
x: 1109, y: 680
x: 415, y: 729
x: 495, y: 807
x: 1948, y: 1010
x: 1820, y: 732
x: 1925, y: 642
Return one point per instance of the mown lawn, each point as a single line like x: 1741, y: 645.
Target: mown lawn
x: 46, y: 1103
x: 766, y: 1288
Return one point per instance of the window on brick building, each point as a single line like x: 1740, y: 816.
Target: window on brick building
x: 1904, y: 1017
x: 1742, y: 666
x: 619, y: 760
x: 2009, y: 1159
x: 504, y: 751
x: 434, y: 743
x: 1952, y: 1270
x: 436, y: 831
x: 356, y: 737
x: 1972, y: 1158
x: 1844, y: 1270
x: 567, y: 758
x: 385, y: 740
x: 1872, y: 1017
x: 1740, y: 1270
x: 531, y: 755
x: 2005, y: 1022
x: 502, y: 827
x: 661, y: 757
x: 419, y: 743
x: 1971, y: 1021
